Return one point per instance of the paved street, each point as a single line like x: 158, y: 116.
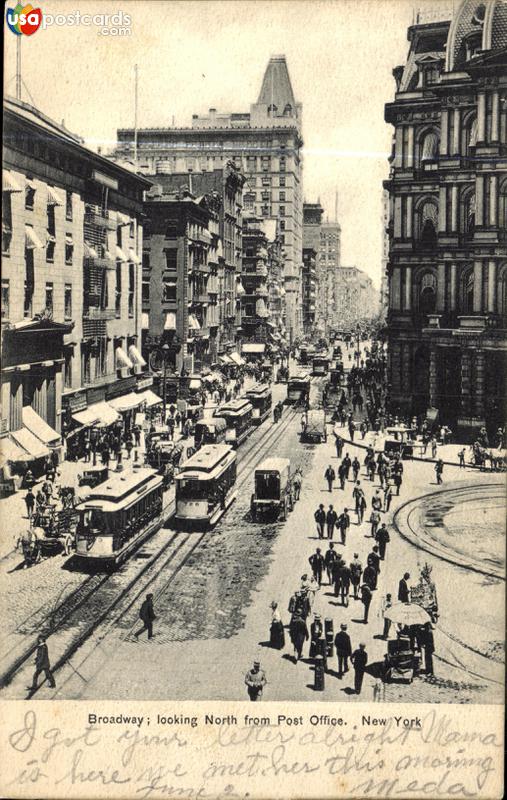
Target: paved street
x: 213, y: 617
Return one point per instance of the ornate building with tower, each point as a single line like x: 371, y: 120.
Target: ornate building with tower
x: 447, y: 268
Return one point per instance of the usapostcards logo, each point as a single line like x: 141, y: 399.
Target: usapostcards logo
x: 24, y: 19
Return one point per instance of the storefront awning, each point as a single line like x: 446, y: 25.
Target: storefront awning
x: 170, y: 321
x: 145, y: 321
x: 133, y: 256
x: 253, y: 347
x: 54, y: 197
x: 122, y: 359
x: 234, y: 356
x: 97, y: 415
x: 195, y: 383
x: 10, y: 451
x: 120, y: 255
x: 40, y: 428
x: 32, y: 241
x: 193, y: 323
x: 150, y: 398
x: 9, y: 182
x: 30, y: 443
x: 89, y: 251
x: 122, y: 219
x: 136, y: 356
x: 126, y: 403
x: 225, y: 359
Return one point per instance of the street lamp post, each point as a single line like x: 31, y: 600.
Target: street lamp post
x: 165, y: 352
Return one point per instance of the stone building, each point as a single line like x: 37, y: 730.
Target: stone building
x: 312, y: 224
x: 264, y: 144
x: 384, y: 280
x: 355, y: 296
x: 71, y: 299
x: 328, y: 269
x: 448, y: 204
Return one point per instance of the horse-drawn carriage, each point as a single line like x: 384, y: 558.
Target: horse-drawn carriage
x: 53, y: 529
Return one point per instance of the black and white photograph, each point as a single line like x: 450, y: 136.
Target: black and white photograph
x: 254, y: 337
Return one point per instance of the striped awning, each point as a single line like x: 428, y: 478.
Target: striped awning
x: 133, y: 256
x: 193, y: 323
x: 122, y: 219
x: 54, y: 198
x: 170, y: 321
x: 89, y: 251
x: 122, y: 359
x: 9, y: 182
x: 136, y: 356
x: 120, y: 255
x: 145, y: 321
x: 32, y: 241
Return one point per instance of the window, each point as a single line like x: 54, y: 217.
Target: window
x: 146, y: 260
x: 282, y: 211
x: 117, y: 292
x: 282, y: 164
x: 169, y: 289
x: 85, y: 364
x: 67, y: 375
x: 282, y: 239
x: 68, y: 205
x: 69, y: 249
x: 282, y: 196
x: 49, y: 298
x: 29, y: 194
x: 67, y: 301
x: 249, y: 202
x: 6, y: 222
x: 145, y: 289
x: 467, y: 292
x: 172, y: 231
x: 266, y: 181
x: 171, y: 259
x: 118, y: 235
x: 131, y: 229
x: 132, y: 283
x: 282, y: 180
x: 282, y: 224
x: 429, y: 147
x: 5, y: 299
x: 265, y: 195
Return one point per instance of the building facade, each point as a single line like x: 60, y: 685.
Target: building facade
x: 328, y: 268
x: 264, y: 144
x: 312, y: 224
x: 448, y: 197
x: 355, y: 296
x: 384, y: 230
x: 71, y: 299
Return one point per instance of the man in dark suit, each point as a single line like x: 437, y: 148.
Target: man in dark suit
x: 329, y: 560
x: 403, y: 590
x: 331, y: 518
x: 344, y: 583
x: 343, y: 524
x: 382, y: 537
x: 42, y: 664
x: 343, y: 649
x: 147, y: 615
x: 317, y: 564
x: 359, y: 659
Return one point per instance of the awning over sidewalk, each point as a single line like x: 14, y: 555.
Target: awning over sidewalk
x: 225, y: 359
x: 126, y: 402
x: 150, y: 398
x: 10, y: 451
x: 253, y: 347
x: 234, y: 356
x: 136, y: 356
x: 33, y: 446
x: 40, y: 428
x: 99, y: 415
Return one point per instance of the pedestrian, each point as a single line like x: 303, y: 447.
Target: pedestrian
x: 403, y: 590
x: 382, y: 537
x: 331, y: 520
x: 147, y: 615
x: 355, y: 468
x: 439, y: 468
x: 343, y: 524
x: 276, y: 631
x: 29, y: 480
x: 374, y: 560
x: 386, y: 605
x: 298, y: 632
x: 320, y: 519
x: 363, y: 428
x: 309, y: 589
x: 317, y: 564
x: 329, y: 560
x: 177, y: 419
x: 388, y: 496
x: 429, y: 648
x: 376, y: 501
x: 433, y: 447
x: 129, y: 444
x: 255, y: 680
x: 358, y: 495
x: 348, y: 464
x: 359, y: 659
x: 86, y: 451
x: 397, y: 480
x: 342, y: 474
x: 30, y: 503
x: 297, y: 482
x: 343, y: 649
x: 366, y: 596
x: 461, y: 456
x: 344, y: 576
x: 356, y: 570
x: 370, y: 576
x: 375, y: 521
x: 352, y: 430
x: 339, y: 446
x: 330, y: 476
x: 42, y: 664
x: 316, y: 631
x: 336, y: 575
x: 299, y: 604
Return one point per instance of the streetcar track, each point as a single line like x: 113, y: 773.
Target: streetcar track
x: 254, y: 451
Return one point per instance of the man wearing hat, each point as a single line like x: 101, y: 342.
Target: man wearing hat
x: 356, y: 570
x: 317, y: 564
x: 359, y: 659
x: 42, y: 664
x: 255, y: 680
x: 147, y: 615
x: 343, y: 649
x: 329, y: 559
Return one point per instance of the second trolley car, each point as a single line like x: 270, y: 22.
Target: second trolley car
x: 238, y: 415
x: 261, y: 399
x: 320, y: 365
x: 205, y: 486
x: 298, y: 389
x: 118, y: 515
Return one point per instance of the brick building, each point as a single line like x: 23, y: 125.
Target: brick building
x: 264, y: 144
x: 71, y: 300
x: 448, y: 204
x: 328, y: 268
x: 312, y: 265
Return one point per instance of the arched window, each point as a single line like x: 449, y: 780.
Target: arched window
x: 428, y: 222
x: 272, y: 110
x: 468, y: 214
x: 429, y: 147
x: 502, y: 206
x: 502, y: 291
x: 287, y: 110
x: 467, y: 292
x: 427, y: 293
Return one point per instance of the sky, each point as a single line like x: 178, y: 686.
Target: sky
x: 193, y: 56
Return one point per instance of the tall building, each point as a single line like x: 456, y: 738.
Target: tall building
x: 329, y: 266
x: 312, y: 224
x: 384, y: 228
x: 71, y: 282
x: 356, y: 297
x: 265, y: 144
x: 448, y: 194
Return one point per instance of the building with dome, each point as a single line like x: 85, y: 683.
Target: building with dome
x: 447, y: 265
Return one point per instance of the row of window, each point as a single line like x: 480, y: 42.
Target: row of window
x: 48, y: 299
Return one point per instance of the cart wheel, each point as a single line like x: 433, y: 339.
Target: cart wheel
x: 67, y: 545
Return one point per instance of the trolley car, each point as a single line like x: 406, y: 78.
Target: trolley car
x: 320, y: 365
x: 205, y: 486
x: 261, y: 400
x: 238, y: 416
x: 273, y: 489
x: 210, y: 430
x: 298, y: 389
x: 118, y: 515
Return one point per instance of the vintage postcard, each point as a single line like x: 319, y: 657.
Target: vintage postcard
x: 253, y: 399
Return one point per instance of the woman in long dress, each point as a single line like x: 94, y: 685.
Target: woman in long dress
x: 276, y: 634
